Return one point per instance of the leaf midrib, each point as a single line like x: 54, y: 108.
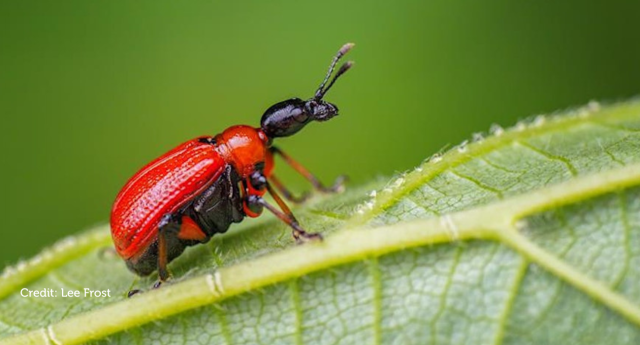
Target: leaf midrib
x: 359, y: 244
x: 447, y: 228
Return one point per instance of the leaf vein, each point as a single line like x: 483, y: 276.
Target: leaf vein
x: 499, y: 167
x: 562, y: 218
x: 478, y: 183
x: 608, y: 153
x: 454, y: 158
x: 14, y: 325
x: 444, y: 294
x: 376, y: 285
x: 63, y: 281
x: 594, y: 288
x: 421, y: 205
x: 510, y: 301
x: 224, y: 325
x: 624, y: 217
x: 294, y: 291
x: 565, y: 161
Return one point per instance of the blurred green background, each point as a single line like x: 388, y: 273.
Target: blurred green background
x: 92, y: 90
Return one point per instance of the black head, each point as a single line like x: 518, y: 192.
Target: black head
x: 288, y: 117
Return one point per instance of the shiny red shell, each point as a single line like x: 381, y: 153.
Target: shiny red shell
x: 171, y: 181
x: 161, y: 187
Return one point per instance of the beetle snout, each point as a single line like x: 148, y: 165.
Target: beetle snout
x: 323, y: 111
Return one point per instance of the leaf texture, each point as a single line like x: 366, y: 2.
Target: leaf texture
x: 528, y: 236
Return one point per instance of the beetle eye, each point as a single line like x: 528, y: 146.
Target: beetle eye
x: 310, y: 107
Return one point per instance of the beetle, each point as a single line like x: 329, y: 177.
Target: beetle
x: 202, y: 186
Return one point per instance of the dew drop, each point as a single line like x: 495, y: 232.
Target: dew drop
x: 463, y: 146
x: 65, y: 243
x: 8, y: 271
x: 539, y: 120
x: 398, y: 182
x: 21, y: 265
x: 593, y: 106
x: 496, y: 130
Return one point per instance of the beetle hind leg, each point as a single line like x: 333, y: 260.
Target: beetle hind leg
x: 174, y: 233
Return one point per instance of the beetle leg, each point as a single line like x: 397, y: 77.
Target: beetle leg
x: 133, y: 292
x: 286, y: 193
x: 338, y: 184
x: 281, y: 203
x: 169, y: 226
x: 285, y: 214
x: 174, y: 227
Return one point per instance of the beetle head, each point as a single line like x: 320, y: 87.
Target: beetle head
x: 288, y: 117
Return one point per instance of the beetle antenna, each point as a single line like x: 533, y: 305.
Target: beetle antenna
x: 343, y: 50
x: 345, y: 67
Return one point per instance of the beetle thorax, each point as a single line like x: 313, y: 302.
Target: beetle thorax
x: 243, y: 147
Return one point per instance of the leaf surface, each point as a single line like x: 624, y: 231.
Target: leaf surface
x: 528, y: 236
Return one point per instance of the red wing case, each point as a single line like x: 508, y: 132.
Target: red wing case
x: 161, y: 187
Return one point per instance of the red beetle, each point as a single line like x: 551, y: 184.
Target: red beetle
x: 202, y: 186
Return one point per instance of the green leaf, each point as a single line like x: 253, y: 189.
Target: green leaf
x: 530, y: 236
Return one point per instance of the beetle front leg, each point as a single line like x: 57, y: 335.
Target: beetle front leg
x: 257, y: 203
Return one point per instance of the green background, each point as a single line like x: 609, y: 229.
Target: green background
x: 91, y: 91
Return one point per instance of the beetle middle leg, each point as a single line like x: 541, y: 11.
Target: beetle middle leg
x: 286, y: 193
x: 338, y: 184
x: 256, y: 203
